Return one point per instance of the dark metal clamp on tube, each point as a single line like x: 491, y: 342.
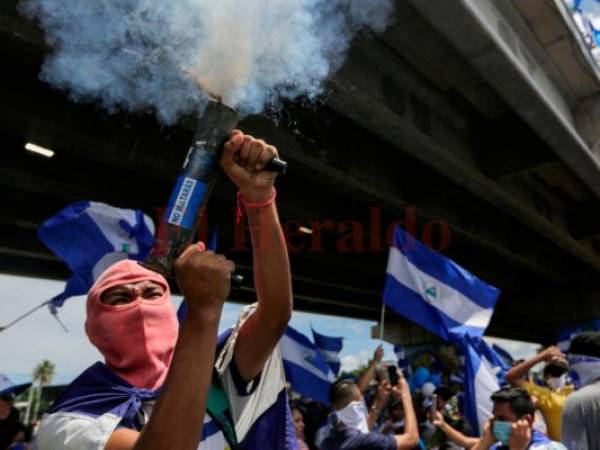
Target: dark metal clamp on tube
x: 193, y: 188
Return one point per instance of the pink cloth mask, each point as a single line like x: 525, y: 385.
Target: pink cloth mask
x: 137, y: 339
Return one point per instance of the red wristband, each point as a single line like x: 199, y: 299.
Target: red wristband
x: 241, y: 203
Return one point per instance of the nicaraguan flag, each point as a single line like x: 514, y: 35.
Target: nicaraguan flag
x: 330, y: 348
x: 497, y: 363
x: 305, y: 367
x: 435, y: 292
x: 90, y: 236
x: 480, y: 383
x: 504, y: 354
x: 402, y: 360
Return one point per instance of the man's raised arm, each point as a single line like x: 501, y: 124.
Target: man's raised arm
x: 244, y: 157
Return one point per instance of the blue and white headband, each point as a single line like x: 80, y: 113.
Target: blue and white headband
x: 584, y: 369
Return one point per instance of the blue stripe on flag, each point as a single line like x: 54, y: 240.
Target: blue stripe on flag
x: 445, y: 270
x: 305, y: 367
x: 306, y: 384
x: 332, y: 344
x: 209, y: 429
x: 330, y: 348
x: 504, y: 354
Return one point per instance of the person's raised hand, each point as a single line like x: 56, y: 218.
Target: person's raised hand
x: 244, y: 158
x: 437, y: 419
x: 552, y: 354
x: 487, y: 436
x: 520, y: 436
x: 378, y: 354
x: 203, y: 277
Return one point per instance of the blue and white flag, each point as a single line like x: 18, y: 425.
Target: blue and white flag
x: 305, y: 367
x: 330, y: 348
x: 480, y: 383
x: 90, y: 236
x: 498, y: 364
x: 403, y: 363
x: 435, y: 292
x: 504, y: 354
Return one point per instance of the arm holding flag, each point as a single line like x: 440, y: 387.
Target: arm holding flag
x: 243, y: 160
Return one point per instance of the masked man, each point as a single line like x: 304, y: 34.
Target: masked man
x: 159, y: 379
x: 581, y: 414
x: 550, y: 398
x: 511, y: 426
x: 350, y: 428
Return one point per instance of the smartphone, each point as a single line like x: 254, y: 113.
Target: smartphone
x: 433, y: 403
x: 393, y: 375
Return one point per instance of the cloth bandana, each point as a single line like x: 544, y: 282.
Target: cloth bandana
x: 584, y: 369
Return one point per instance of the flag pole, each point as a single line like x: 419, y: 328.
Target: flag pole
x: 382, y: 321
x: 23, y: 316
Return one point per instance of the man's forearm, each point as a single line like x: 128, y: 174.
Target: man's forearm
x: 411, y: 426
x: 514, y: 375
x: 177, y: 418
x: 271, y: 266
x: 367, y: 376
x: 483, y: 444
x: 272, y: 279
x: 458, y: 437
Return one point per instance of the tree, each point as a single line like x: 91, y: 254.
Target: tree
x: 42, y: 375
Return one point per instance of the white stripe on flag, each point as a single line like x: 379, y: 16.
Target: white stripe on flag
x: 300, y: 355
x: 486, y: 383
x: 107, y: 219
x: 330, y: 356
x: 451, y: 302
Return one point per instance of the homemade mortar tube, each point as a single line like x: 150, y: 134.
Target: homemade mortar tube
x: 193, y: 188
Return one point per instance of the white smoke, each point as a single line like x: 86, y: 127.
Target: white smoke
x: 138, y: 54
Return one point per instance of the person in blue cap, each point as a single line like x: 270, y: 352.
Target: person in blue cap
x: 10, y: 426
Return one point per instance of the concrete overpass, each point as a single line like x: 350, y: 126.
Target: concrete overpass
x: 476, y: 123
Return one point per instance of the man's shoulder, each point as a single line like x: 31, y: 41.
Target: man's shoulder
x: 588, y: 395
x: 535, y: 389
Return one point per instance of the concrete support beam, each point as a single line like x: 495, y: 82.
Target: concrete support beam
x: 353, y: 102
x: 485, y: 37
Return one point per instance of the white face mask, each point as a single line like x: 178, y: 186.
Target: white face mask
x: 354, y: 415
x: 556, y: 383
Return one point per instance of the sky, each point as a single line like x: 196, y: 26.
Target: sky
x: 40, y: 337
x: 587, y: 5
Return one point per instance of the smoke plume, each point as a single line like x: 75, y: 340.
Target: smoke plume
x: 137, y: 55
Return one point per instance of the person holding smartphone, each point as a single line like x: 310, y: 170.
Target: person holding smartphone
x: 350, y: 430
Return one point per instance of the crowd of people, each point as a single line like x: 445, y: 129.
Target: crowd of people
x: 533, y: 411
x: 163, y: 380
x: 529, y: 412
